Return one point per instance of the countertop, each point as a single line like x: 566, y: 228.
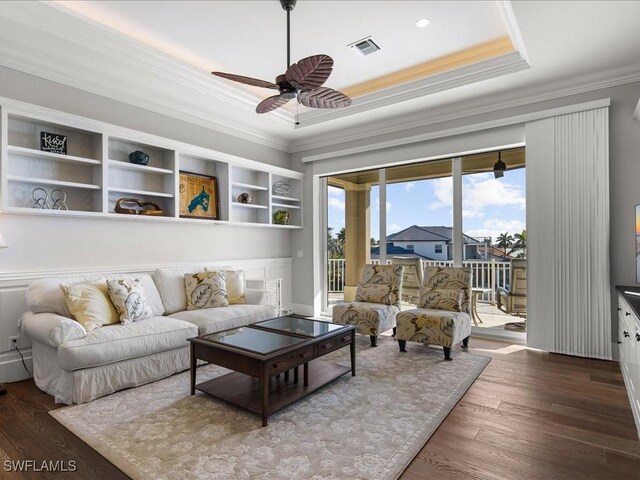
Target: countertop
x: 632, y: 300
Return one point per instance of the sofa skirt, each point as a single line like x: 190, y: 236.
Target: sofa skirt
x: 84, y: 385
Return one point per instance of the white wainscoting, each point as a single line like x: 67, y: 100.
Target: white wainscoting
x: 13, y: 303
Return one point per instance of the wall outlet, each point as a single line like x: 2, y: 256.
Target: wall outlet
x: 14, y: 342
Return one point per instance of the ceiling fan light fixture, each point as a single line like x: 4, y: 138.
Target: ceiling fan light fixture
x: 499, y: 167
x: 423, y: 22
x: 302, y: 80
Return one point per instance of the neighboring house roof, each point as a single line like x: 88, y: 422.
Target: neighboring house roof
x: 396, y: 252
x: 494, y: 253
x: 416, y: 233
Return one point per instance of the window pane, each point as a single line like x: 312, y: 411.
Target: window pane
x: 494, y: 226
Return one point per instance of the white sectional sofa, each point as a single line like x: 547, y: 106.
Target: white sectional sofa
x: 76, y: 367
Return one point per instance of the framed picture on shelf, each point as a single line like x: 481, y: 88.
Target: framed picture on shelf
x: 199, y: 196
x: 54, y: 143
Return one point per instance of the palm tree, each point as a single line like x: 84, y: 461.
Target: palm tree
x: 334, y: 248
x: 504, y: 241
x: 520, y: 244
x: 520, y: 240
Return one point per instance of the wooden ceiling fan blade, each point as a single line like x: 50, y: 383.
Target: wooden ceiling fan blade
x: 324, y: 97
x: 255, y: 82
x: 271, y: 103
x: 310, y: 72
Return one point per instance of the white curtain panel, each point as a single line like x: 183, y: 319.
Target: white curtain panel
x: 569, y: 294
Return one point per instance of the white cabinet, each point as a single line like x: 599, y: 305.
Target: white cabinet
x: 273, y: 286
x: 629, y: 351
x: 95, y: 172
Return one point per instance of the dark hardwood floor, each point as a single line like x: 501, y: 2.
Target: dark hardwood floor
x: 530, y: 415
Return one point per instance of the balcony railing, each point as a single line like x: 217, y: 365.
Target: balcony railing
x: 488, y: 274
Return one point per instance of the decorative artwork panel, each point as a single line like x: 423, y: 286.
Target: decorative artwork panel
x: 199, y: 196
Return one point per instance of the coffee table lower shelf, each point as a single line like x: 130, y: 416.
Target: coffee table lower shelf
x: 245, y: 391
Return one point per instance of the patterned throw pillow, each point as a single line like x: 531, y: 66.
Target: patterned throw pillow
x: 375, y: 293
x: 127, y: 295
x: 441, y: 299
x: 205, y: 290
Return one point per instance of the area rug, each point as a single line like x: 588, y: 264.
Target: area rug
x: 365, y: 427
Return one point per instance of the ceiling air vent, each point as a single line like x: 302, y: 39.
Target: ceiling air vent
x: 366, y: 46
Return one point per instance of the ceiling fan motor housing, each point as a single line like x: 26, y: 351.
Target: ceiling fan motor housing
x: 288, y: 5
x: 287, y: 90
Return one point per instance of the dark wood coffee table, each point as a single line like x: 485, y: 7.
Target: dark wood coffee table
x: 259, y: 352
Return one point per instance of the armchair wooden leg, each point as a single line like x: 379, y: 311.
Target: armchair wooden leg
x: 447, y: 353
x: 374, y: 340
x: 465, y: 342
x: 394, y: 331
x: 402, y: 344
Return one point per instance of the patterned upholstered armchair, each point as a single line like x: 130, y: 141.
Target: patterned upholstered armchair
x: 514, y: 297
x: 376, y: 304
x: 443, y: 316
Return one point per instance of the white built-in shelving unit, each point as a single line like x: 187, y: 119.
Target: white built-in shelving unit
x: 96, y: 172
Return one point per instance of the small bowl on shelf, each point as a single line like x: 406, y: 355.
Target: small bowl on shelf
x: 281, y: 217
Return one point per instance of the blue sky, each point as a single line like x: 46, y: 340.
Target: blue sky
x: 490, y: 206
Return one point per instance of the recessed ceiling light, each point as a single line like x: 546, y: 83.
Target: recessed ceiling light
x: 423, y: 22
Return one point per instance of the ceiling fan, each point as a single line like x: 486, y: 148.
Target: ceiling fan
x: 302, y: 80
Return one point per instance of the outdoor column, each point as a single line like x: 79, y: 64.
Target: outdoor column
x: 357, y: 248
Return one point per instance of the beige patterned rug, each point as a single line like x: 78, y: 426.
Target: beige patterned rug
x: 365, y: 427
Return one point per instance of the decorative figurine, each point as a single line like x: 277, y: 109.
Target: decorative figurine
x: 245, y: 198
x: 139, y: 158
x: 281, y: 189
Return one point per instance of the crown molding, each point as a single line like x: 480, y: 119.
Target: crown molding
x: 484, y: 70
x: 562, y: 88
x: 513, y: 29
x: 450, y: 132
x: 636, y: 113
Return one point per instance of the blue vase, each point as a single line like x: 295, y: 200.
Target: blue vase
x: 139, y: 158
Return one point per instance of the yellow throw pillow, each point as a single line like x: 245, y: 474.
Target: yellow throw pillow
x: 234, y: 281
x: 235, y: 286
x: 90, y: 305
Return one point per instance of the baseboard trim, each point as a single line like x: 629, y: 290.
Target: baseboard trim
x: 11, y: 368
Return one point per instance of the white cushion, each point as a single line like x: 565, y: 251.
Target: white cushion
x: 148, y: 285
x: 114, y: 343
x: 45, y: 296
x: 170, y: 283
x: 211, y: 320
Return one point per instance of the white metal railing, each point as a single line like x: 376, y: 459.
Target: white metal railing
x: 488, y: 274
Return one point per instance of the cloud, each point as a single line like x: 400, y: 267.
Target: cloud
x: 338, y: 192
x: 443, y: 191
x: 479, y: 191
x: 393, y: 228
x: 409, y: 186
x: 378, y: 205
x: 336, y: 203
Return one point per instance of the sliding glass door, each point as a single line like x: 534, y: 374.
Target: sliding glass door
x: 457, y: 211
